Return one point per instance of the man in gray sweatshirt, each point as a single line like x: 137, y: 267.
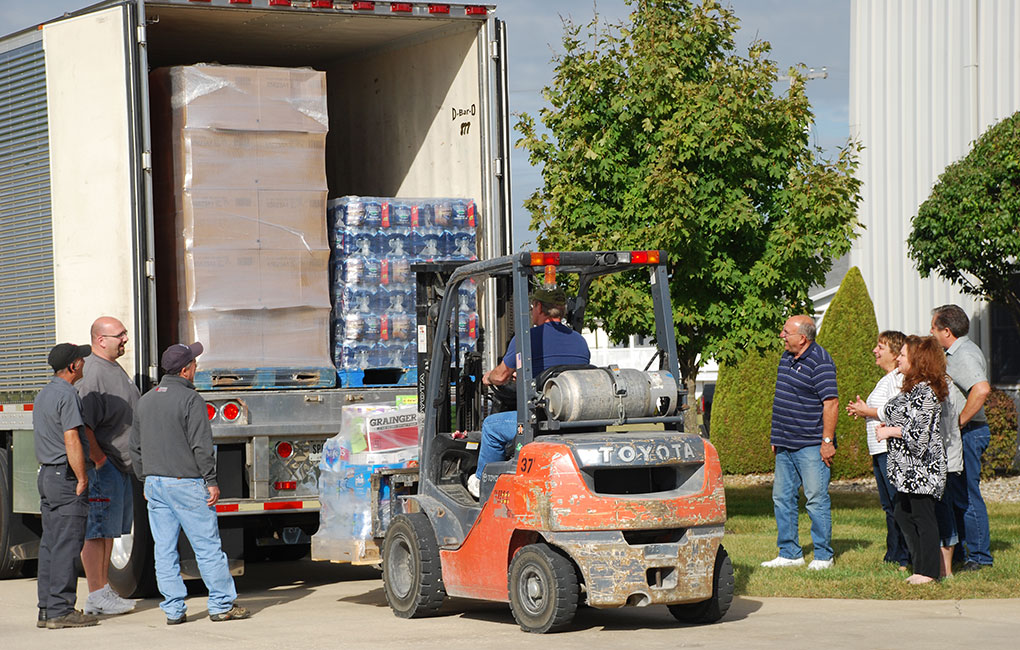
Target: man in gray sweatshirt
x: 172, y: 452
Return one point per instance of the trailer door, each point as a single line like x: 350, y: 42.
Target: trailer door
x: 96, y: 91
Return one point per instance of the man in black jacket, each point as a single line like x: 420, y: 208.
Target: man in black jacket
x: 172, y: 452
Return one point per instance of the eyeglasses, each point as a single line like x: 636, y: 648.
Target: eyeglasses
x: 123, y: 335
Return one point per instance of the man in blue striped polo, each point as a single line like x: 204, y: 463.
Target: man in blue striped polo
x: 804, y: 413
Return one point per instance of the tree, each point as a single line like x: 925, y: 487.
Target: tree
x: 967, y: 230
x: 849, y: 332
x: 657, y: 136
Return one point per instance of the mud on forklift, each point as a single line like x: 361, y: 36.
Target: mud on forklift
x: 604, y: 501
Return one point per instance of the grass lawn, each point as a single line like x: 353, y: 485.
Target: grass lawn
x: 858, y: 532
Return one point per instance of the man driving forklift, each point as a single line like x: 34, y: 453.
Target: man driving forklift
x: 552, y: 344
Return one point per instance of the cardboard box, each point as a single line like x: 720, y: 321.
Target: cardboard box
x: 252, y: 278
x: 260, y: 338
x: 250, y: 218
x: 247, y: 98
x: 276, y: 160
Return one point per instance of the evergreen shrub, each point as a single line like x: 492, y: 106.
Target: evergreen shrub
x: 1000, y: 409
x: 742, y: 412
x: 849, y: 332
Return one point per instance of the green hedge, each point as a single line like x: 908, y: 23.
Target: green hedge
x: 742, y: 413
x: 1000, y: 409
x: 849, y: 331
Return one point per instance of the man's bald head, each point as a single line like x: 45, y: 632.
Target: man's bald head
x: 109, y: 337
x: 798, y: 334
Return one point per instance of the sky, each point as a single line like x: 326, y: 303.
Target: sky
x: 814, y: 33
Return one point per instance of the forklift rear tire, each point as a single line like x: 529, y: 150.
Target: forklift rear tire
x: 713, y: 609
x: 543, y: 589
x: 412, y: 573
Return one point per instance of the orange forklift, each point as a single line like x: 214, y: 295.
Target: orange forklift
x: 604, y: 501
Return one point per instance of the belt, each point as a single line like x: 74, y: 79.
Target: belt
x: 970, y: 426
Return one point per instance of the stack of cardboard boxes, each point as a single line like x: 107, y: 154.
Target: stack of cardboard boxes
x: 244, y: 185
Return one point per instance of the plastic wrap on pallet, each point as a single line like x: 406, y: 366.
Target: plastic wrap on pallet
x: 249, y: 205
x: 372, y: 437
x: 374, y: 241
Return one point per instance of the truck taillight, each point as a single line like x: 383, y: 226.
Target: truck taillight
x: 475, y: 10
x: 400, y: 6
x: 322, y: 4
x: 284, y: 449
x: 230, y: 411
x: 545, y: 259
x: 285, y: 485
x: 210, y: 411
x: 279, y: 3
x: 240, y: 2
x: 363, y: 6
x: 439, y: 9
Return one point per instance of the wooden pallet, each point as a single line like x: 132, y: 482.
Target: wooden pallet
x: 233, y: 378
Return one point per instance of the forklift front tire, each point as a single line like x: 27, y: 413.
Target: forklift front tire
x: 543, y: 589
x: 412, y: 573
x: 713, y: 609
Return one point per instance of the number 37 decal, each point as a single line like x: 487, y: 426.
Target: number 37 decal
x: 525, y: 465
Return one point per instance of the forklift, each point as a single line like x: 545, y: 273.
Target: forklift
x: 604, y: 501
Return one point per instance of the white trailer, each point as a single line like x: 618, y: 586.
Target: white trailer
x: 417, y: 90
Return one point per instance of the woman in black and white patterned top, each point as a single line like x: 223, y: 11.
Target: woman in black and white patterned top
x: 917, y: 458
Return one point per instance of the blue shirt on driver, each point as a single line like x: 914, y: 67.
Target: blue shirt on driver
x: 552, y: 344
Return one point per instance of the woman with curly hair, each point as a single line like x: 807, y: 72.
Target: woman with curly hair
x: 917, y: 457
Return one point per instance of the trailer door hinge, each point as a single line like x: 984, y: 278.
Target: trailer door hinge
x: 497, y: 167
x: 150, y: 269
x: 146, y: 161
x: 494, y: 50
x: 141, y: 35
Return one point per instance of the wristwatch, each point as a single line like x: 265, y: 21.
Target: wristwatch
x: 827, y: 440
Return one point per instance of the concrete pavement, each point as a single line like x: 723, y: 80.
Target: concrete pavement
x: 320, y: 605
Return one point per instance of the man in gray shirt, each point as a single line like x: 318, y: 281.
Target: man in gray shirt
x: 172, y: 451
x: 108, y: 399
x: 965, y: 364
x: 62, y: 451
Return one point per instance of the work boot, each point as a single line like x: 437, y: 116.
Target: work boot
x: 73, y: 619
x: 233, y: 614
x: 473, y: 486
x: 41, y: 621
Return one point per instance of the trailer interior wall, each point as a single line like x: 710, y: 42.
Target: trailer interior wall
x: 91, y: 170
x: 927, y: 78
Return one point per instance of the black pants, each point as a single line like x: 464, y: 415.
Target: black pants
x: 64, y: 514
x: 915, y: 513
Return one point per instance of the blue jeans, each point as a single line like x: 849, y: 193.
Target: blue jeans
x: 972, y: 518
x: 176, y: 503
x: 794, y: 468
x: 497, y: 431
x: 895, y: 545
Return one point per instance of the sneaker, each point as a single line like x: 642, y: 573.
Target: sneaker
x: 74, y: 619
x: 819, y: 565
x: 99, y: 602
x: 183, y: 618
x: 968, y: 566
x: 473, y: 486
x: 113, y: 595
x: 781, y: 561
x: 232, y: 614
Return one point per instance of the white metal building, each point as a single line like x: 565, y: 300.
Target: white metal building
x: 927, y: 77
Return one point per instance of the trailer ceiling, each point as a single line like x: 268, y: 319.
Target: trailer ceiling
x: 183, y: 35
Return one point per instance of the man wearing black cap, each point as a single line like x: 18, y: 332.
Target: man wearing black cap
x: 552, y: 344
x: 172, y: 452
x: 62, y: 451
